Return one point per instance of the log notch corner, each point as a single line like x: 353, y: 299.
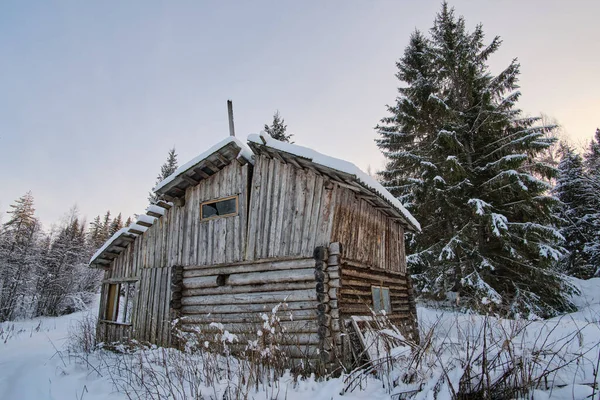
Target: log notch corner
x: 327, y: 261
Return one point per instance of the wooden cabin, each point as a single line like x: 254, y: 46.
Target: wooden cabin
x: 244, y: 227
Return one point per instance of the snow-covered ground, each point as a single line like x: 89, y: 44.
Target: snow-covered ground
x: 32, y: 367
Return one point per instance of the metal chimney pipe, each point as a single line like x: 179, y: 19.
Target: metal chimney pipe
x: 230, y: 112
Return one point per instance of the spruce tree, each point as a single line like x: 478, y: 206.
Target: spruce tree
x: 592, y: 165
x: 116, y: 224
x: 19, y: 255
x: 462, y: 157
x: 165, y: 170
x: 576, y: 213
x: 278, y: 129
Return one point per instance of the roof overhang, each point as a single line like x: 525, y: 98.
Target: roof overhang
x: 342, y: 172
x: 203, y: 167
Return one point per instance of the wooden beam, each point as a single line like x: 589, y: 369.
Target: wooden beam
x: 127, y: 239
x: 144, y: 223
x: 201, y: 173
x: 163, y: 204
x: 291, y: 160
x: 111, y: 254
x: 132, y: 230
x: 178, y: 192
x: 222, y: 159
x: 120, y: 248
x: 153, y: 214
x: 189, y: 180
x: 212, y: 166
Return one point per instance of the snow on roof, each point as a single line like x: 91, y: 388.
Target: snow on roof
x: 108, y: 243
x: 244, y: 152
x: 262, y: 139
x: 337, y: 164
x: 137, y: 227
x: 153, y: 208
x: 146, y: 218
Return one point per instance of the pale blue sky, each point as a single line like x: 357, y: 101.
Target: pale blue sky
x: 92, y: 95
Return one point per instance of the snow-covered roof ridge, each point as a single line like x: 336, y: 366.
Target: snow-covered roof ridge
x: 337, y: 164
x: 245, y: 152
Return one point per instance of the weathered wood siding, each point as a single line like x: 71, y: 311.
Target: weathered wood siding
x: 291, y: 210
x: 179, y: 237
x: 219, y: 240
x: 250, y: 290
x: 367, y: 234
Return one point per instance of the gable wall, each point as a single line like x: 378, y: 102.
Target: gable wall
x: 291, y: 210
x: 367, y: 235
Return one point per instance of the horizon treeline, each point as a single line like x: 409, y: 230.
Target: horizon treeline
x: 46, y: 273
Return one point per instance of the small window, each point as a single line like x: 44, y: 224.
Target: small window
x: 119, y: 302
x: 220, y: 208
x: 381, y: 299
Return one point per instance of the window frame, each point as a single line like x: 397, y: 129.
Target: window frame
x: 113, y: 301
x: 381, y: 304
x: 237, y: 208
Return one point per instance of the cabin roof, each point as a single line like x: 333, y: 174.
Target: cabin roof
x: 226, y: 151
x: 343, y: 172
x: 203, y: 166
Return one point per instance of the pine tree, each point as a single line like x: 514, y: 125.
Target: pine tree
x: 19, y: 255
x: 105, y: 232
x: 116, y: 224
x: 166, y: 170
x: 463, y: 159
x: 576, y: 212
x: 592, y: 165
x: 278, y: 129
x: 95, y: 233
x: 592, y: 156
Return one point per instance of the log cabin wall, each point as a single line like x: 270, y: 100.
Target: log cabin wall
x: 291, y: 210
x: 238, y: 295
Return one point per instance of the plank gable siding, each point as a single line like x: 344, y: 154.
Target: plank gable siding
x: 179, y: 237
x: 291, y: 210
x: 367, y: 234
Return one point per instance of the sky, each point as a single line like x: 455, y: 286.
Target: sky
x: 93, y: 94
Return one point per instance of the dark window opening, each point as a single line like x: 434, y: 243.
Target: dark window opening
x: 220, y: 208
x: 222, y: 279
x: 119, y: 302
x: 381, y: 299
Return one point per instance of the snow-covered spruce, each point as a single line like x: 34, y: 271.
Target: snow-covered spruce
x: 463, y: 159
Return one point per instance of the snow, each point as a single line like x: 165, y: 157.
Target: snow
x: 108, y: 243
x: 480, y: 205
x: 336, y: 164
x: 245, y: 152
x: 155, y: 209
x: 31, y: 368
x: 34, y: 363
x: 146, y: 218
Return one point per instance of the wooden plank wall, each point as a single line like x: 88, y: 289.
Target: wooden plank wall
x: 177, y: 238
x: 367, y: 234
x: 252, y: 289
x: 219, y: 240
x: 291, y: 210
